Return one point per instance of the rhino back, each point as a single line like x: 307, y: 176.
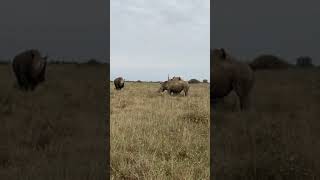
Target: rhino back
x: 25, y: 59
x: 119, y: 80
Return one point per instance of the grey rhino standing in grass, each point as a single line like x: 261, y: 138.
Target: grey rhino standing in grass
x: 119, y: 83
x: 29, y: 68
x: 229, y: 74
x: 175, y: 86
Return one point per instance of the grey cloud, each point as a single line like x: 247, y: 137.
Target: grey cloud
x: 249, y: 28
x: 160, y: 32
x: 73, y: 28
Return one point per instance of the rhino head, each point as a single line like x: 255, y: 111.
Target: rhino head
x: 218, y: 54
x: 163, y: 86
x: 39, y: 65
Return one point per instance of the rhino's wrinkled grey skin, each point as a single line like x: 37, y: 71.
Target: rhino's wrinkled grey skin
x: 30, y: 69
x: 176, y: 78
x: 229, y: 74
x: 175, y: 86
x: 119, y: 83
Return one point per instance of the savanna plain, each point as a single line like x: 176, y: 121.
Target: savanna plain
x: 58, y: 131
x: 158, y: 136
x: 279, y: 138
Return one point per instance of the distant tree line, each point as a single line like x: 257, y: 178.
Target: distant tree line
x: 268, y: 61
x: 4, y: 61
x: 55, y: 61
x: 193, y: 81
x: 196, y: 81
x: 90, y: 62
x: 304, y: 61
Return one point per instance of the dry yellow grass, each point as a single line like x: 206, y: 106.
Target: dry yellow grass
x: 157, y: 136
x: 279, y: 139
x: 59, y: 130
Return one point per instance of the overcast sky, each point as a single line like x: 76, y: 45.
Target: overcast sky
x: 61, y: 28
x: 285, y: 28
x: 151, y: 39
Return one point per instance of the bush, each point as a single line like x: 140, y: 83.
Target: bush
x: 268, y: 62
x: 205, y: 81
x: 194, y: 81
x: 304, y: 61
x: 93, y: 62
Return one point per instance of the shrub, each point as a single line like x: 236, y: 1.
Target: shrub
x: 93, y: 62
x: 268, y: 62
x: 304, y: 61
x: 194, y: 81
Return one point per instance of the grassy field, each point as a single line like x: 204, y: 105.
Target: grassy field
x: 59, y: 130
x: 279, y: 139
x: 157, y: 136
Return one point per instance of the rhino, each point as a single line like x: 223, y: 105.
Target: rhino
x: 119, y: 83
x: 175, y: 86
x: 29, y: 68
x: 230, y: 74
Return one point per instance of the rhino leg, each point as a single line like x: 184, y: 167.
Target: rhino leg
x: 32, y: 87
x: 19, y: 77
x: 33, y: 84
x: 186, y: 92
x: 19, y: 80
x: 243, y: 94
x: 24, y: 82
x: 244, y: 102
